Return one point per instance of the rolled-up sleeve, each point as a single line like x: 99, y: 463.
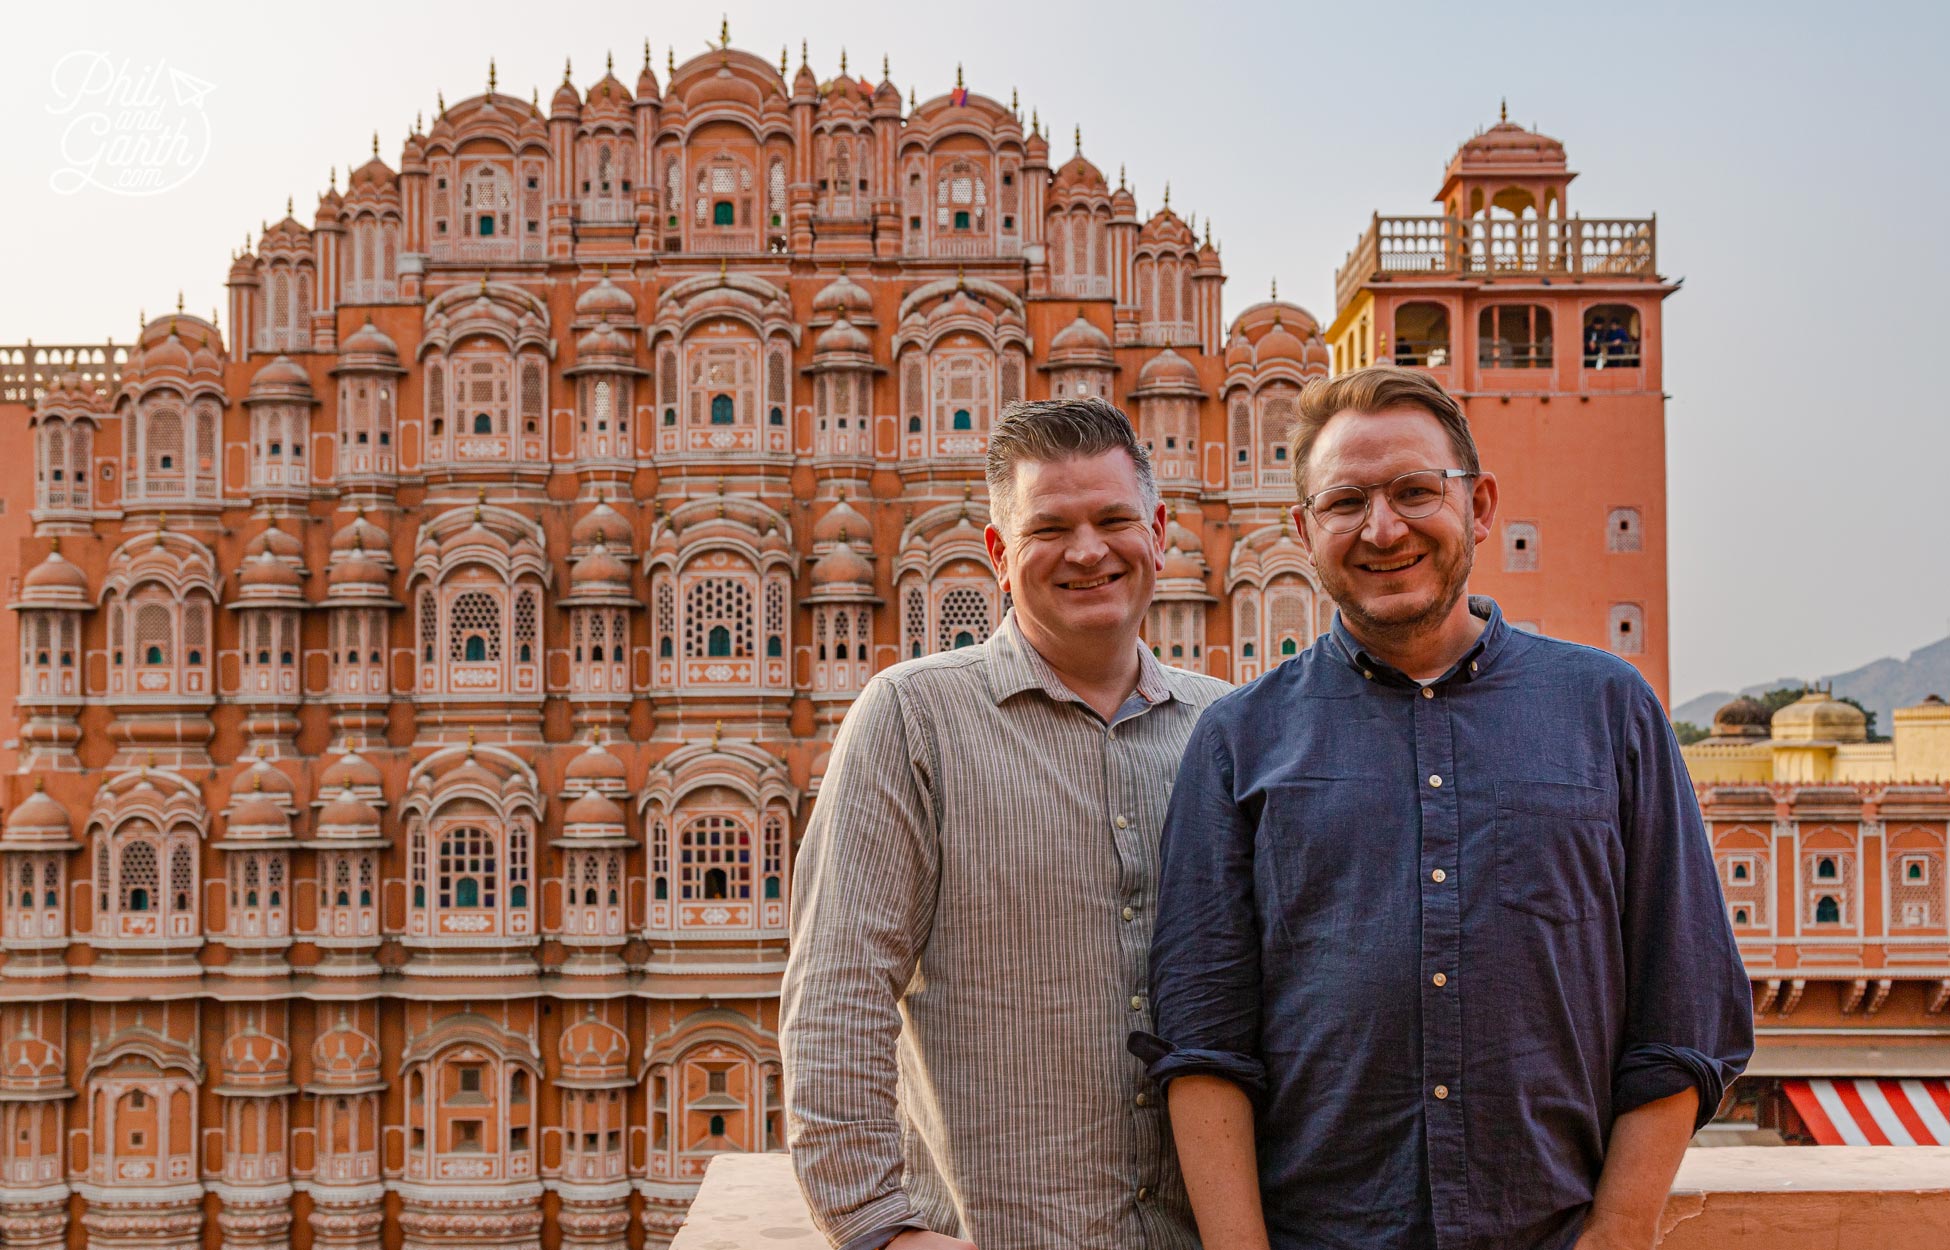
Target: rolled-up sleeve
x: 1204, y: 972
x: 862, y: 907
x: 1689, y: 1020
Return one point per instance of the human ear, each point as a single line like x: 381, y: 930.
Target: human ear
x: 1482, y: 506
x: 998, y: 549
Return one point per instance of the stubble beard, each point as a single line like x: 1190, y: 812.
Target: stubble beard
x: 1392, y: 631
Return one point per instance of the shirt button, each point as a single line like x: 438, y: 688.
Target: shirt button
x: 1428, y: 692
x: 1367, y: 673
x: 1435, y: 779
x: 1123, y: 822
x: 1137, y: 1002
x: 1440, y: 979
x: 1438, y: 875
x: 1442, y: 1091
x: 1144, y: 1193
x: 1111, y: 733
x: 1144, y: 1100
x: 1472, y: 666
x: 1130, y: 913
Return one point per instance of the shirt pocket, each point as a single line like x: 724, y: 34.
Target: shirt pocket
x: 1552, y: 848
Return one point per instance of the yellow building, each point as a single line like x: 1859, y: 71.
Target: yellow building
x: 1819, y: 740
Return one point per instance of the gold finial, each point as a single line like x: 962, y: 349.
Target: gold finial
x: 1208, y: 232
x: 717, y: 732
x: 490, y: 75
x: 724, y: 31
x: 911, y: 103
x: 142, y: 318
x: 884, y: 75
x: 646, y: 54
x: 152, y: 760
x: 40, y: 783
x: 609, y: 62
x: 1275, y: 289
x: 440, y: 98
x: 1503, y: 113
x: 1120, y: 175
x: 724, y: 271
x: 565, y: 69
x: 417, y: 115
x: 332, y: 177
x: 958, y: 83
x: 1035, y: 122
x: 670, y: 61
x: 375, y: 140
x: 784, y: 63
x: 484, y: 281
x: 470, y: 742
x: 1167, y: 194
x: 1076, y: 136
x: 960, y: 284
x: 257, y: 778
x: 179, y: 300
x: 842, y: 62
x: 1014, y: 107
x: 162, y: 523
x: 535, y: 99
x: 287, y: 206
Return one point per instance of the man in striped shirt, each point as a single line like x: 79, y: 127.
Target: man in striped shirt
x: 973, y: 902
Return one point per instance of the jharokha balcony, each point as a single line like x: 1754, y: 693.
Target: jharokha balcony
x: 1726, y: 1198
x: 1495, y: 246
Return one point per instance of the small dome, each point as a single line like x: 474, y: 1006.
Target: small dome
x: 773, y: 540
x: 606, y: 302
x: 566, y: 99
x: 604, y: 343
x: 349, y: 770
x: 598, y: 570
x: 842, y: 517
x: 1281, y: 344
x: 1745, y: 717
x: 251, y: 1056
x: 842, y: 566
x: 843, y: 336
x: 595, y: 764
x: 167, y: 356
x: 1180, y: 564
x: 593, y: 808
x: 345, y: 1056
x: 38, y: 819
x: 359, y: 534
x: 723, y: 87
x: 370, y: 340
x: 27, y: 1061
x: 1168, y: 369
x: 1818, y: 716
x: 280, y: 378
x: 1079, y: 335
x: 1079, y: 175
x: 268, y: 572
x: 279, y: 542
x: 601, y: 524
x: 348, y: 816
x: 594, y: 1050
x: 258, y: 817
x: 1239, y: 350
x: 357, y: 570
x: 842, y: 296
x: 55, y: 577
x: 1507, y: 143
x: 260, y: 777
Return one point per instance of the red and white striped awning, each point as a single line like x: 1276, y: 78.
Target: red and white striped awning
x: 1874, y: 1113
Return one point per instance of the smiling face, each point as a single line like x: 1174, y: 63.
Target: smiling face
x: 1082, y: 555
x: 1395, y: 578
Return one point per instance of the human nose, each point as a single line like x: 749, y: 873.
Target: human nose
x: 1087, y: 546
x: 1384, y: 526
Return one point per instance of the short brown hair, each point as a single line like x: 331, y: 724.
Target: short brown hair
x: 1059, y: 429
x: 1376, y: 389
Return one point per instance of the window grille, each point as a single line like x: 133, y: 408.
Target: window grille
x: 774, y: 615
x: 525, y: 636
x: 101, y: 874
x: 152, y: 634
x: 429, y: 626
x: 1242, y: 429
x: 1623, y: 531
x: 1287, y: 619
x: 182, y: 878
x: 1627, y: 629
x: 963, y: 618
x: 666, y: 612
x: 775, y: 381
x: 721, y: 602
x: 138, y: 881
x: 436, y: 392
x: 163, y: 447
x: 775, y: 191
x: 468, y: 875
x: 1916, y: 889
x: 475, y: 615
x: 714, y: 859
x: 518, y: 865
x: 1011, y: 378
x: 914, y: 622
x: 531, y: 393
x: 1519, y: 546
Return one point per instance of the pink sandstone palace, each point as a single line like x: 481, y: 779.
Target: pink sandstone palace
x: 424, y: 679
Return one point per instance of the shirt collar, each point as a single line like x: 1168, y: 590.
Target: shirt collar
x: 1474, y: 663
x: 1016, y: 666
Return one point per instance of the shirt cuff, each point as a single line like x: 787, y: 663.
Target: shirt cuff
x: 1649, y: 1071
x: 879, y: 1237
x: 1164, y: 1062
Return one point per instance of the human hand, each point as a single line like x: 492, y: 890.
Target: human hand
x: 920, y: 1239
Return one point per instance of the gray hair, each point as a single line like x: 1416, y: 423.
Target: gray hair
x: 1045, y: 430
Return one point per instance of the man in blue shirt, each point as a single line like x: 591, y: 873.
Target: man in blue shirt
x: 1441, y: 958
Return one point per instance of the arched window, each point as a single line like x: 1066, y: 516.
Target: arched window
x: 139, y: 876
x: 1825, y: 869
x: 722, y: 410
x: 475, y: 628
x: 962, y: 420
x: 1422, y: 334
x: 714, y: 859
x: 1520, y: 546
x: 483, y: 423
x: 468, y: 868
x: 1828, y: 911
x: 1514, y: 336
x: 720, y: 641
x: 1611, y: 337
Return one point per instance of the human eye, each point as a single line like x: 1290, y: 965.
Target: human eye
x: 1341, y: 503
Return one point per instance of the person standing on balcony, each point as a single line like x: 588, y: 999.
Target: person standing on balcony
x: 972, y: 913
x: 1441, y: 956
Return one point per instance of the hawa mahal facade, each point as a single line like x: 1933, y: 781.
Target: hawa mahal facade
x: 422, y: 682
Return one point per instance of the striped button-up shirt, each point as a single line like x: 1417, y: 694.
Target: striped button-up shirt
x: 970, y: 930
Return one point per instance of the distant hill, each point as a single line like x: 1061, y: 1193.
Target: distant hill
x: 1881, y: 686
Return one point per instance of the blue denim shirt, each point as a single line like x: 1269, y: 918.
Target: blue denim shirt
x: 1444, y: 935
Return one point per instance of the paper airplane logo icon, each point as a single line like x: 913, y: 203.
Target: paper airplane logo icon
x: 189, y: 89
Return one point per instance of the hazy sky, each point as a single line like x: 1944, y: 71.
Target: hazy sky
x: 1795, y: 155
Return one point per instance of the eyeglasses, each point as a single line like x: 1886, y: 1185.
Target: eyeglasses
x: 1342, y: 509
